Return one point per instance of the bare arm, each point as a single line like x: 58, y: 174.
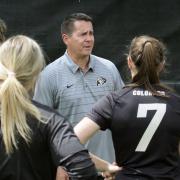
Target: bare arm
x: 85, y: 129
x: 104, y: 166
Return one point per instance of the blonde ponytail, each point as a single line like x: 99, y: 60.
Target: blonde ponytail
x: 17, y: 79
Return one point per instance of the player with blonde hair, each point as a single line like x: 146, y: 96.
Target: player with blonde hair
x: 34, y: 139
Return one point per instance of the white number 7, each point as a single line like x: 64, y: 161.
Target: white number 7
x: 153, y: 125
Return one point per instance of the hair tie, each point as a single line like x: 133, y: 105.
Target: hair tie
x: 11, y: 74
x: 145, y: 44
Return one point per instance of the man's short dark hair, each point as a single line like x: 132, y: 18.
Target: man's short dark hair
x: 68, y: 23
x: 3, y: 29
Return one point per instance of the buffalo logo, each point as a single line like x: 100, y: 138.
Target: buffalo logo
x: 101, y: 81
x: 69, y: 85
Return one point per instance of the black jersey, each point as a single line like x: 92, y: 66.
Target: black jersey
x: 53, y: 144
x: 145, y: 131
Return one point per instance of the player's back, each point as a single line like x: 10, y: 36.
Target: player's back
x: 146, y: 133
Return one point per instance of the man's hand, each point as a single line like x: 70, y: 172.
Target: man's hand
x: 61, y: 174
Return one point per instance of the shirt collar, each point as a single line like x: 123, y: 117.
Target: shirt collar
x: 74, y: 67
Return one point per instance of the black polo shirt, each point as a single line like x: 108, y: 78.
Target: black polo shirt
x: 145, y: 131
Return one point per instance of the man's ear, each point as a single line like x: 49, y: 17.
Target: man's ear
x: 65, y: 38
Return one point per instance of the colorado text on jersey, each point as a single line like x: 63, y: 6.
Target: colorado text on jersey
x: 145, y: 93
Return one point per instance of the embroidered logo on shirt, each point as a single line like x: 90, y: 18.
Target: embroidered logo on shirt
x: 101, y: 81
x: 69, y: 85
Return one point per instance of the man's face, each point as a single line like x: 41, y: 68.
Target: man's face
x: 80, y: 43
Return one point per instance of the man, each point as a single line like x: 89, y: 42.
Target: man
x: 75, y: 81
